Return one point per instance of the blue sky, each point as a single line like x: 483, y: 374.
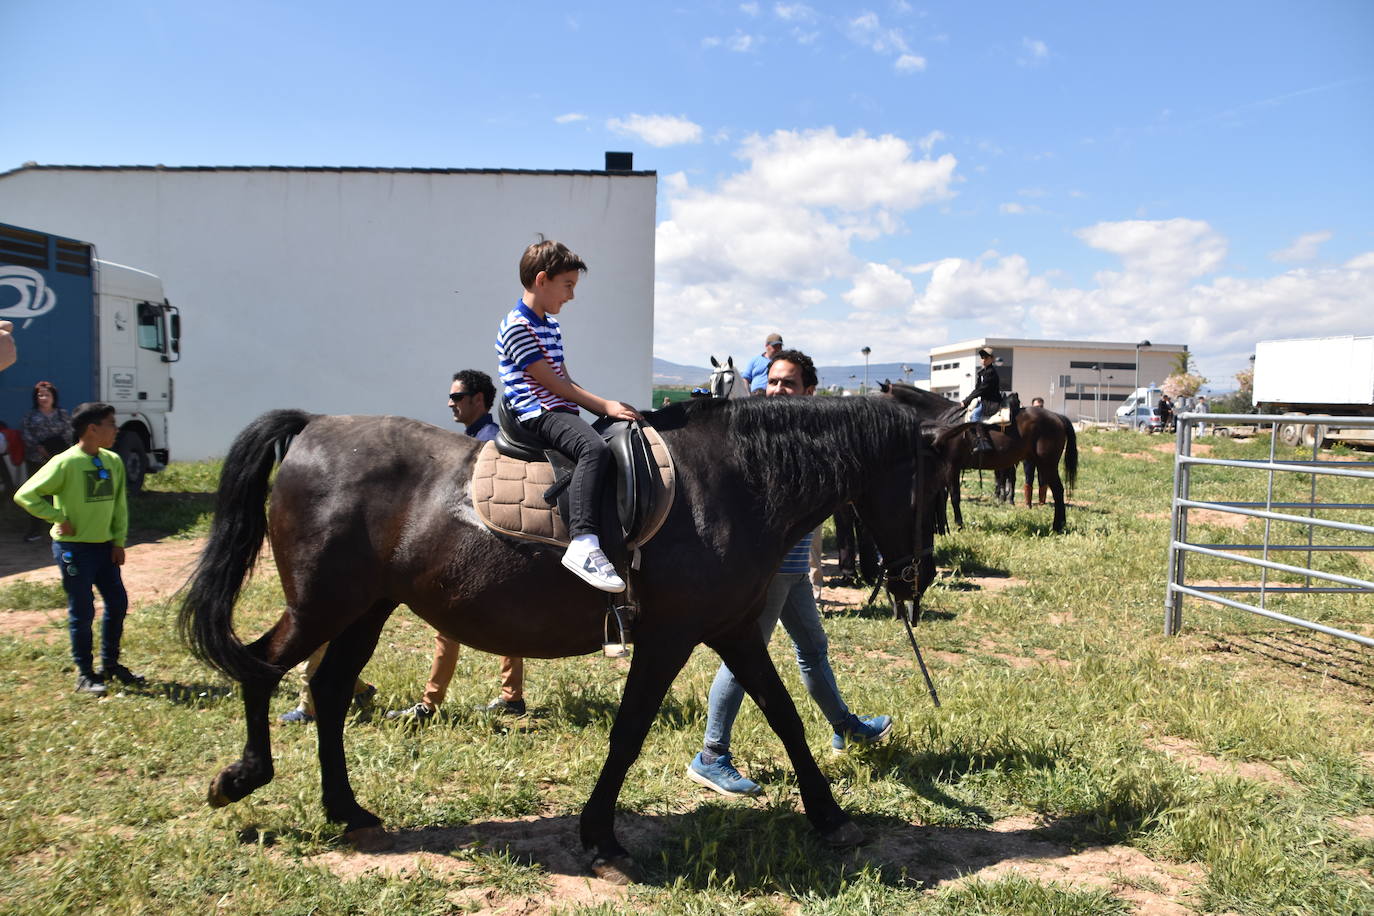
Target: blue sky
x: 896, y: 175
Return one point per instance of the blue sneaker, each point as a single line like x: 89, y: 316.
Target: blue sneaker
x: 296, y: 716
x: 868, y: 730
x: 722, y: 777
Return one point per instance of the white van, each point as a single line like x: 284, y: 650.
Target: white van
x: 1141, y: 410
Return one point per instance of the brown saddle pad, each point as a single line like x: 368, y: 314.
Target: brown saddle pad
x: 508, y: 495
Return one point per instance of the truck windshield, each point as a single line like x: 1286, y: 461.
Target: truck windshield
x: 151, y: 335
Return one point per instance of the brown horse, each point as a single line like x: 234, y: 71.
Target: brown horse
x: 1035, y: 435
x: 368, y: 513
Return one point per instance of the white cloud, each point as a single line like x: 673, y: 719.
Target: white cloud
x: 1304, y: 248
x: 878, y: 287
x: 1036, y: 52
x: 776, y: 239
x: 858, y: 172
x: 927, y: 143
x: 1013, y: 208
x: 868, y: 31
x: 657, y: 130
x: 794, y: 12
x: 739, y: 42
x: 570, y: 117
x: 910, y: 63
x: 749, y: 9
x: 1183, y: 248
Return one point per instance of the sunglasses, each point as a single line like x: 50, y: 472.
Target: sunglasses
x: 459, y: 395
x: 101, y: 471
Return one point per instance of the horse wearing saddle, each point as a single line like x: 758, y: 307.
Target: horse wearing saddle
x: 520, y: 486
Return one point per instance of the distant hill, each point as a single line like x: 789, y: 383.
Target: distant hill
x: 666, y: 373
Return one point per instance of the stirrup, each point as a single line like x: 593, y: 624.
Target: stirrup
x: 619, y: 646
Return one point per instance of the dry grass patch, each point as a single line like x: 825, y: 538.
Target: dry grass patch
x: 1187, y: 752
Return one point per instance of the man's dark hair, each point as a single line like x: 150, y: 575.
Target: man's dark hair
x: 478, y: 381
x: 802, y: 362
x: 551, y: 257
x: 38, y: 386
x: 92, y: 413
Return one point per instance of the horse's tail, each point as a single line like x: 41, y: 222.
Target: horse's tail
x: 236, y: 534
x: 1070, y: 453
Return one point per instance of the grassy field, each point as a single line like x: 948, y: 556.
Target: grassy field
x: 1081, y: 763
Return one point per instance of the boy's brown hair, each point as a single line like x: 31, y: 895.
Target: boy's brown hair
x: 551, y: 257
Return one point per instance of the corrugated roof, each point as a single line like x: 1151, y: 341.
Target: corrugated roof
x: 35, y: 167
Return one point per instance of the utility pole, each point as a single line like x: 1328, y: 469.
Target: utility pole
x: 1135, y: 420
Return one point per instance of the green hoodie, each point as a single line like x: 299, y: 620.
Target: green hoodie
x: 96, y: 508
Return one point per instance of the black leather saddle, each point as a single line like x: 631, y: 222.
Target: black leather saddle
x: 634, y: 470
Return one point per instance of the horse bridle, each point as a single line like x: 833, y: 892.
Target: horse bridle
x: 728, y: 389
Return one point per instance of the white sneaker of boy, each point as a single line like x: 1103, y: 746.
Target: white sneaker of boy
x: 591, y: 566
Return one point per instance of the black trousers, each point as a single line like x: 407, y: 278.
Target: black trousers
x: 574, y: 438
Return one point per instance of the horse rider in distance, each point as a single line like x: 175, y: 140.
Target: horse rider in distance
x: 988, y: 388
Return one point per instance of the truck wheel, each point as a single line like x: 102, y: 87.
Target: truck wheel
x: 1291, y: 433
x: 134, y: 453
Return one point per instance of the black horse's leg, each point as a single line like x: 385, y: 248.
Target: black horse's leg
x: 1050, y: 472
x: 332, y: 689
x: 657, y: 661
x: 746, y: 655
x: 282, y: 648
x: 954, y: 495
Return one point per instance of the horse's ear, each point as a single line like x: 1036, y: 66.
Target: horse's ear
x: 730, y: 361
x: 885, y: 386
x: 714, y: 363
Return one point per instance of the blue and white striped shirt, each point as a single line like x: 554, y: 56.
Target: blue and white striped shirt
x: 522, y: 340
x: 798, y: 559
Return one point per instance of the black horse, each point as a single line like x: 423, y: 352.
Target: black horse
x: 371, y: 512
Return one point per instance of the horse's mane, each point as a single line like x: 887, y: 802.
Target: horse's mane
x: 791, y: 447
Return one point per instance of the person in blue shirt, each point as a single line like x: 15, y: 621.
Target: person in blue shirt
x: 544, y: 397
x: 756, y: 373
x: 790, y: 601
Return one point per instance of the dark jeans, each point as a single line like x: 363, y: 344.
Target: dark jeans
x: 84, y: 567
x: 570, y: 435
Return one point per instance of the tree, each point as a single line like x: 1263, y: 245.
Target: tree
x: 1242, y: 400
x: 1182, y: 384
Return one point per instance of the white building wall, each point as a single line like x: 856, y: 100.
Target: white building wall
x: 355, y: 291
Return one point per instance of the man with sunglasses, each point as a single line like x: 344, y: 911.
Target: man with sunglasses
x: 81, y: 492
x: 470, y: 398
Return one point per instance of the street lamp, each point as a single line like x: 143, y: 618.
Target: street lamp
x: 1135, y: 420
x: 1097, y: 401
x: 865, y: 351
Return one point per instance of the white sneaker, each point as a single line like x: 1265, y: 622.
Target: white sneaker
x: 592, y: 567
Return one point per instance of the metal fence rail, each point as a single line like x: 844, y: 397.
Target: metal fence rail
x: 1180, y: 547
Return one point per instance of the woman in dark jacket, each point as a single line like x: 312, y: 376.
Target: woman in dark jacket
x: 47, y: 430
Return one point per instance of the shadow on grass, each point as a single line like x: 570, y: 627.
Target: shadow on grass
x: 750, y: 847
x: 1308, y: 653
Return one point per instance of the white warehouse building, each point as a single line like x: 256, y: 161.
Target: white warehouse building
x: 1083, y: 379
x: 355, y: 290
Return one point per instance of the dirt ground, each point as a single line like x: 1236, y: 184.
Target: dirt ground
x: 935, y: 856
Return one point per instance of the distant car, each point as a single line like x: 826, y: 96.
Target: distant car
x: 1146, y: 417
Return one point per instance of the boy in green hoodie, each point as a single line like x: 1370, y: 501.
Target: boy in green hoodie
x: 81, y: 492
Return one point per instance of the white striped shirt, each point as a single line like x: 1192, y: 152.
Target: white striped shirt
x: 522, y: 340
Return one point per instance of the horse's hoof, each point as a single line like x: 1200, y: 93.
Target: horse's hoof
x: 845, y: 836
x: 616, y: 870
x: 370, y: 839
x: 217, y: 797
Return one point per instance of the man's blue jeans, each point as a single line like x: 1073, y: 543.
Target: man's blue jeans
x: 977, y: 415
x: 84, y: 567
x: 789, y: 600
